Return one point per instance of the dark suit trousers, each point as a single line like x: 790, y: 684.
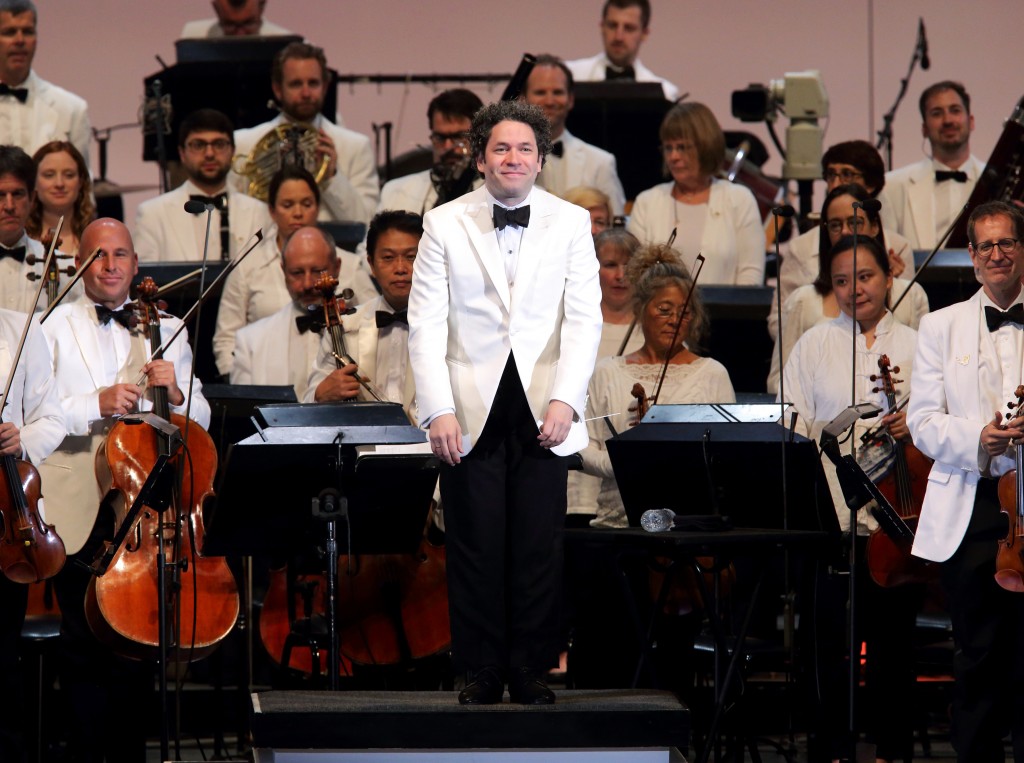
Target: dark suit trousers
x: 13, y: 600
x: 988, y: 632
x: 504, y: 512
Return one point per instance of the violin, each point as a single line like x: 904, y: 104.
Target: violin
x: 1010, y: 553
x: 903, y: 483
x: 52, y: 271
x: 122, y: 606
x: 642, y: 403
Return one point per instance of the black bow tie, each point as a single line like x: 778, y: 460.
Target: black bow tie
x: 16, y: 253
x: 626, y: 73
x: 385, y: 319
x: 21, y: 93
x: 519, y: 216
x: 558, y: 149
x: 312, y: 322
x: 942, y: 176
x: 220, y: 201
x: 995, y: 317
x: 125, y: 317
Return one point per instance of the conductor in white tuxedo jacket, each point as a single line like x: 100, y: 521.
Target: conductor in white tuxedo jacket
x: 968, y: 365
x: 504, y: 322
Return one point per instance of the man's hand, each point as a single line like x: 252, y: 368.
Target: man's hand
x: 119, y: 399
x: 897, y: 424
x: 10, y: 440
x: 555, y: 427
x: 325, y: 148
x: 446, y: 438
x: 340, y: 384
x: 996, y: 437
x: 160, y: 373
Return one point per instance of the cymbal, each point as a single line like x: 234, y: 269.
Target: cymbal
x: 105, y: 189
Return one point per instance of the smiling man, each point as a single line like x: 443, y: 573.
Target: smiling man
x: 625, y: 24
x: 32, y: 110
x: 504, y: 324
x: 927, y: 195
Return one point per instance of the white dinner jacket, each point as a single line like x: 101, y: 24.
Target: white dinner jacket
x: 51, y: 112
x: 73, y: 493
x: 261, y: 350
x: 165, y: 232
x: 584, y: 164
x: 464, y: 320
x: 946, y: 415
x: 911, y: 194
x: 592, y: 69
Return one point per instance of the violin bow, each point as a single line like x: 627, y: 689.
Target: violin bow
x: 679, y: 324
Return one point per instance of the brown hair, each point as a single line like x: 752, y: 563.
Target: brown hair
x: 694, y: 122
x: 85, y: 210
x: 652, y: 268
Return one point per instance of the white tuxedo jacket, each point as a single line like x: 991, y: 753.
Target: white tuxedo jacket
x: 164, y: 231
x: 911, y: 194
x: 583, y: 164
x: 50, y: 113
x: 946, y: 415
x: 202, y: 28
x: 411, y: 193
x: 73, y: 493
x: 263, y: 351
x: 464, y: 322
x: 592, y: 69
x: 352, y: 194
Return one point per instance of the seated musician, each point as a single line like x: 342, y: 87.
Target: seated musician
x: 281, y: 348
x: 165, y: 231
x: 854, y: 162
x: 709, y: 216
x: 256, y: 288
x: 817, y: 380
x: 377, y: 334
x: 815, y: 303
x: 299, y: 80
x: 235, y: 18
x: 452, y: 174
x: 33, y: 425
x: 63, y: 189
x: 98, y: 364
x: 595, y: 202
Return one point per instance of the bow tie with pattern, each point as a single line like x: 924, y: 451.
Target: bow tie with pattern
x: 558, y: 149
x: 220, y: 201
x: 519, y: 216
x: 996, y: 318
x: 125, y: 317
x: 941, y: 176
x: 385, y: 319
x: 21, y: 93
x: 625, y: 73
x: 15, y: 253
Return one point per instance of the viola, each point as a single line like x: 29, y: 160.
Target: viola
x: 122, y: 606
x: 1010, y: 553
x: 52, y: 271
x: 890, y: 562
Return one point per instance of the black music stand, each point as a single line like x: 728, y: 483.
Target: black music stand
x: 290, y: 482
x: 232, y: 407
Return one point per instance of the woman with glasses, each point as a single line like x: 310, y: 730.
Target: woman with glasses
x: 699, y: 212
x: 63, y: 188
x: 815, y: 303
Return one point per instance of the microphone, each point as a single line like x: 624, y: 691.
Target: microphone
x: 868, y: 205
x: 786, y: 210
x: 658, y: 520
x: 922, y: 45
x: 194, y: 207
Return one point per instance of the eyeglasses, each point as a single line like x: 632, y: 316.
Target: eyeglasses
x: 197, y: 146
x: 835, y: 227
x: 458, y: 138
x: 847, y: 176
x: 666, y: 311
x: 1006, y: 246
x: 682, y: 148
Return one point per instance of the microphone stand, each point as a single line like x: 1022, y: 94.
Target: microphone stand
x: 885, y: 134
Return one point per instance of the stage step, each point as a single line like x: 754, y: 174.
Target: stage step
x: 642, y: 725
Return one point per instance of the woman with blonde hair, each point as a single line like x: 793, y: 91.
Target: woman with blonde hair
x: 596, y: 202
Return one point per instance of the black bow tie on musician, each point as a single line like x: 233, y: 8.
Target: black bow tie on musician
x: 994, y: 317
x: 21, y: 93
x: 627, y: 73
x: 219, y: 201
x: 124, y: 316
x: 15, y: 253
x: 385, y: 319
x: 519, y: 216
x: 958, y: 176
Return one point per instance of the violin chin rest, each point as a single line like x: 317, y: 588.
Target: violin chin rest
x: 1010, y: 580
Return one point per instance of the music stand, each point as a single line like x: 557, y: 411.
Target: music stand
x: 232, y: 406
x: 280, y: 484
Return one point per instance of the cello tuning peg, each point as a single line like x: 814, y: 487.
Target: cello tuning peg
x: 873, y: 377
x: 875, y: 389
x: 896, y: 370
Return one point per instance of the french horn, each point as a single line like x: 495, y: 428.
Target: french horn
x: 293, y: 143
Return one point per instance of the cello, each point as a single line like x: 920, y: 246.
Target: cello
x: 890, y: 562
x: 1010, y: 554
x: 123, y: 605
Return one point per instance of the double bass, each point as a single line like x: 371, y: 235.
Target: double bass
x: 890, y: 562
x: 122, y: 605
x: 1010, y: 553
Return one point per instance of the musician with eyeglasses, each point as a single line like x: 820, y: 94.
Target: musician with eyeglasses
x: 968, y: 365
x: 449, y: 116
x: 852, y: 162
x: 926, y: 196
x: 164, y: 231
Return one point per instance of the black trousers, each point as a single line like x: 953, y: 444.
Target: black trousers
x: 13, y: 600
x: 988, y: 635
x: 504, y: 511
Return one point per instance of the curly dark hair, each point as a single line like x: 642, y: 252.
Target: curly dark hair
x: 509, y: 111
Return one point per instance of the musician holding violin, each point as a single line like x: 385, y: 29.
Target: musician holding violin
x: 33, y: 425
x: 100, y: 355
x: 968, y: 365
x: 817, y: 380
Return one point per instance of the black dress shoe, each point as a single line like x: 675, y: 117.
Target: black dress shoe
x: 525, y: 687
x: 484, y: 688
